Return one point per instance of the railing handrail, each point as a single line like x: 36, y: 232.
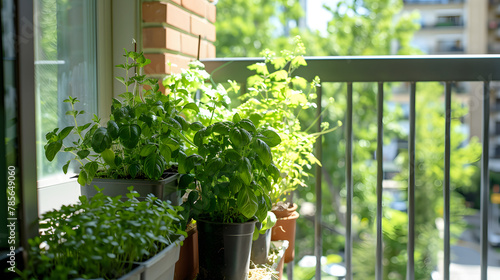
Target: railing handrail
x: 396, y: 68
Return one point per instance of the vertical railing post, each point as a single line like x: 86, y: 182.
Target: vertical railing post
x: 446, y: 182
x: 380, y: 176
x: 349, y: 185
x: 410, y: 271
x: 318, y: 242
x: 485, y: 181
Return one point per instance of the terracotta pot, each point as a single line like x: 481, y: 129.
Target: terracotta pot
x: 285, y: 213
x: 187, y: 266
x: 284, y: 229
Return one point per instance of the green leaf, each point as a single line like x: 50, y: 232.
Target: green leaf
x: 147, y: 150
x: 166, y: 152
x: 154, y: 165
x: 232, y: 155
x: 195, y: 126
x: 192, y: 161
x: 121, y: 79
x: 279, y: 76
x: 83, y: 154
x: 298, y: 61
x: 263, y: 151
x: 191, y: 106
x: 101, y: 140
x: 113, y: 129
x: 245, y: 171
x: 274, y: 172
x: 270, y: 137
x: 91, y: 169
x: 248, y: 125
x: 130, y: 135
x: 185, y: 180
x: 183, y: 122
x: 236, y: 118
x: 255, y: 118
x: 220, y: 128
x: 133, y: 169
x: 259, y: 68
x: 65, y: 132
x: 236, y: 137
x: 52, y: 149
x: 65, y: 167
x: 247, y: 202
x: 109, y: 157
x: 82, y: 178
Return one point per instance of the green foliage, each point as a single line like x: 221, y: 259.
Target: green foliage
x: 230, y: 179
x: 101, y: 237
x: 277, y: 99
x: 145, y: 133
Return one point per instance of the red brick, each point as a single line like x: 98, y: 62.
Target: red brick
x: 189, y: 45
x: 162, y: 38
x: 197, y: 6
x: 159, y: 64
x: 202, y: 27
x: 154, y: 12
x: 210, y: 50
x: 211, y: 12
x: 178, y: 17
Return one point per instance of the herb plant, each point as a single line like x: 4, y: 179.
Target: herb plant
x: 278, y: 99
x: 101, y: 237
x: 143, y: 137
x: 232, y: 172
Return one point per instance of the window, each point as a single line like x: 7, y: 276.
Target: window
x: 65, y: 65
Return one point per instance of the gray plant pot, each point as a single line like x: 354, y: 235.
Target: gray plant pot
x: 162, y: 265
x: 165, y: 189
x: 134, y: 274
x: 260, y: 248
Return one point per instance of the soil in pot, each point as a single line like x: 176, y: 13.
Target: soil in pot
x: 224, y: 250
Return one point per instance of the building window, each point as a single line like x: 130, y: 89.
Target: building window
x: 65, y: 65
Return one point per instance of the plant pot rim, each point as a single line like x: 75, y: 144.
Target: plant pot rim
x: 158, y: 255
x: 285, y: 212
x: 171, y: 177
x: 218, y: 223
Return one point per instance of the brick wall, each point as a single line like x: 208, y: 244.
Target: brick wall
x: 171, y: 30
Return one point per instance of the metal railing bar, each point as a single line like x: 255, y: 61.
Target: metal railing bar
x: 485, y: 182
x: 349, y: 185
x: 318, y: 242
x: 446, y: 181
x: 372, y: 68
x: 410, y: 271
x: 380, y: 176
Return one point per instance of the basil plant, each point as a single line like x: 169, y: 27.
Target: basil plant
x: 231, y: 176
x: 144, y: 137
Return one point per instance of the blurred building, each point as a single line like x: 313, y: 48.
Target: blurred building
x: 464, y: 27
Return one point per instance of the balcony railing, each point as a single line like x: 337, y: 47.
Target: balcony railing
x: 383, y: 69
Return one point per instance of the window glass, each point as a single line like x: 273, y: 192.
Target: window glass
x: 65, y: 65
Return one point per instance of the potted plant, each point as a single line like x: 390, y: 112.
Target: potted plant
x: 105, y: 237
x: 278, y: 98
x: 138, y: 146
x: 230, y: 181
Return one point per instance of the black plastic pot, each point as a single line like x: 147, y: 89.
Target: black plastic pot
x: 260, y: 248
x: 224, y: 250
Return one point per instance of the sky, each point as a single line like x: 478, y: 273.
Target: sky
x: 317, y: 16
